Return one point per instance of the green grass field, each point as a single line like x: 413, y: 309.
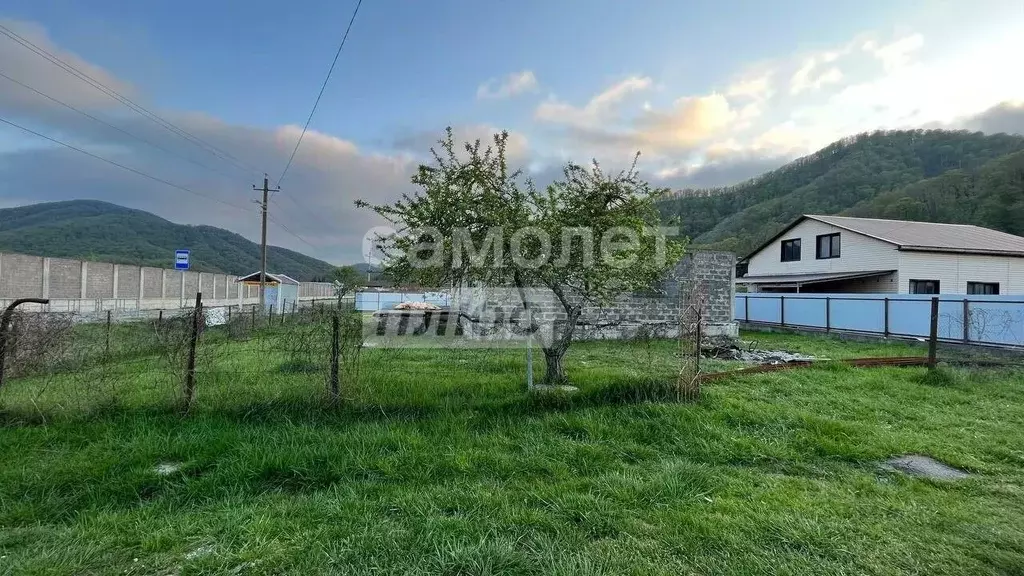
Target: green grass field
x: 439, y: 463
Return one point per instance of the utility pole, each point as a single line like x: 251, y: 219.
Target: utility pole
x: 263, y: 240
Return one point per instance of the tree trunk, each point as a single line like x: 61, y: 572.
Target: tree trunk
x: 555, y: 352
x: 554, y: 373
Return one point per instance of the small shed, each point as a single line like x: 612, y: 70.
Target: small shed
x: 282, y: 290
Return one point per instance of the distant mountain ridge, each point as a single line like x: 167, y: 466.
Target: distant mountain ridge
x: 932, y: 175
x: 101, y: 231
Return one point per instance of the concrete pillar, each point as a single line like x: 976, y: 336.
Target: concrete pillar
x: 142, y: 284
x: 46, y: 278
x: 114, y: 295
x: 163, y: 284
x: 85, y: 274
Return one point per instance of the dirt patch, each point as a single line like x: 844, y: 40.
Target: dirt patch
x: 925, y: 467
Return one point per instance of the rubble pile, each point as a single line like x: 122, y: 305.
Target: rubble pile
x: 732, y: 349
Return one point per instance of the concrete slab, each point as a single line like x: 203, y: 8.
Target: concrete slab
x: 925, y: 467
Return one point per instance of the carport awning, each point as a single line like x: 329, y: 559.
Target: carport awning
x: 789, y: 280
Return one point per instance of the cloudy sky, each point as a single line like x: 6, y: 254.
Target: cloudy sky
x: 710, y: 92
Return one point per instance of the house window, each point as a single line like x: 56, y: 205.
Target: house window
x: 924, y: 286
x: 988, y: 288
x: 828, y: 246
x: 791, y: 250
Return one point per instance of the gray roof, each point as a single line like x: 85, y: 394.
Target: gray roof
x: 931, y: 236
x: 279, y: 278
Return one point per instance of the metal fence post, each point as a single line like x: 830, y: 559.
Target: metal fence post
x: 828, y: 313
x: 254, y: 316
x: 190, y: 372
x: 886, y: 317
x: 746, y: 308
x: 335, y: 350
x: 967, y: 320
x: 5, y: 321
x: 782, y: 310
x: 933, y: 332
x: 106, y: 346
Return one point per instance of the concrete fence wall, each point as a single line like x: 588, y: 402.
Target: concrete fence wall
x: 711, y: 273
x: 76, y: 285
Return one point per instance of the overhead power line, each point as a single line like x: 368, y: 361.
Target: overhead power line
x: 289, y: 230
x: 141, y: 110
x: 108, y: 124
x: 321, y: 93
x: 121, y: 166
x: 311, y: 213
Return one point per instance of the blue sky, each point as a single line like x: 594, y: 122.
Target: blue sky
x: 711, y: 92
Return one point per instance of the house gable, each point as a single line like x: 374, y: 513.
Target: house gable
x: 858, y: 252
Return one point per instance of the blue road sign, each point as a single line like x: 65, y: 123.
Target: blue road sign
x: 181, y: 259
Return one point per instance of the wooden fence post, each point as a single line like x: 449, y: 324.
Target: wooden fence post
x: 335, y: 351
x: 933, y: 333
x: 190, y: 372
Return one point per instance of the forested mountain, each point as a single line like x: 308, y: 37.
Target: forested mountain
x: 93, y: 230
x: 897, y: 174
x: 992, y: 197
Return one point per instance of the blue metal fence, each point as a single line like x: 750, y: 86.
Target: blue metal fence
x: 373, y: 301
x: 971, y: 319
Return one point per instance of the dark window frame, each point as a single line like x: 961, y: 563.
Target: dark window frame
x: 914, y: 282
x: 793, y: 243
x: 983, y: 286
x: 835, y: 246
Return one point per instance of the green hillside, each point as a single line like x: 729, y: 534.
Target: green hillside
x: 882, y: 174
x: 93, y: 230
x: 992, y: 197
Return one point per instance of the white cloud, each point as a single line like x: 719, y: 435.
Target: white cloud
x: 419, y: 143
x: 511, y: 85
x: 812, y: 75
x: 689, y: 121
x: 896, y: 54
x: 756, y: 87
x: 599, y: 127
x: 596, y: 109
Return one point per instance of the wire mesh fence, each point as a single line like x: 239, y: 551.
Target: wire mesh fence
x: 70, y: 361
x: 327, y: 353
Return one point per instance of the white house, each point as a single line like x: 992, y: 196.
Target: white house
x: 841, y: 254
